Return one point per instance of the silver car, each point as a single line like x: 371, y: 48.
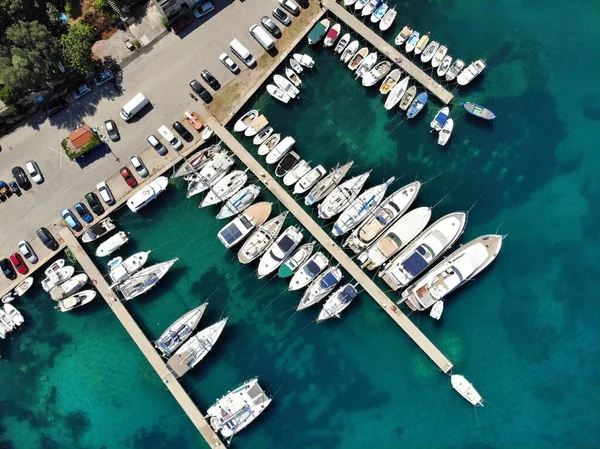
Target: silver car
x: 139, y: 166
x: 27, y: 251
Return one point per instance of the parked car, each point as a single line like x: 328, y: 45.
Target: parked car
x: 303, y: 3
x: 112, y: 130
x: 34, y: 172
x: 103, y: 77
x: 7, y: 269
x: 106, y: 194
x: 290, y: 6
x: 55, y: 106
x: 228, y: 62
x: 128, y: 177
x: 47, y: 239
x: 19, y: 263
x: 14, y: 187
x: 211, y: 80
x: 204, y: 9
x: 71, y: 220
x: 270, y: 26
x: 21, y: 177
x: 81, y: 91
x: 159, y: 147
x: 280, y: 15
x: 193, y: 119
x: 182, y: 23
x: 200, y: 91
x: 94, y: 203
x: 27, y: 251
x: 83, y: 212
x: 139, y: 166
x: 183, y: 132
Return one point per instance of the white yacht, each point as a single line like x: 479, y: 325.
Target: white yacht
x: 6, y: 324
x: 470, y: 73
x: 341, y: 196
x: 297, y: 172
x: 327, y: 184
x: 466, y: 389
x: 278, y: 94
x: 309, y: 270
x: 120, y: 269
x: 337, y: 302
x: 77, y: 300
x: 236, y: 230
x: 245, y: 120
x: 144, y: 280
x: 179, y: 331
x: 68, y: 287
x: 288, y: 267
x: 309, y: 180
x: 304, y: 60
x: 279, y: 251
x: 320, y: 287
x: 240, y: 201
x: 269, y: 144
x: 280, y: 150
x: 424, y: 250
x: 260, y: 240
x: 111, y: 244
x: 57, y: 277
x: 148, y: 193
x: 210, y: 174
x: 98, y: 230
x: 376, y: 74
x: 228, y: 186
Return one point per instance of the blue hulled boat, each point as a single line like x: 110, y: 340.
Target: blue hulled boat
x: 417, y: 105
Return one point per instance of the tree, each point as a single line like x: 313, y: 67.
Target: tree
x: 76, y: 47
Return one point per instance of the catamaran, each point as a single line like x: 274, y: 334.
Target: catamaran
x: 337, y: 302
x: 228, y: 186
x: 301, y: 255
x: 390, y: 81
x: 396, y: 93
x: 280, y: 150
x: 239, y: 202
x: 376, y: 74
x: 245, y: 120
x: 120, y: 269
x: 260, y: 240
x: 77, y: 300
x: 309, y: 180
x: 471, y: 72
x: 327, y: 184
x: 269, y: 144
x: 144, y: 280
x: 320, y: 287
x: 308, y: 271
x: 455, y: 69
x: 235, y: 231
x: 179, y: 331
x: 279, y: 251
x: 341, y: 196
x: 318, y: 31
x: 297, y: 172
x: 147, y: 194
x: 349, y: 52
x: 98, y: 230
x: 210, y: 174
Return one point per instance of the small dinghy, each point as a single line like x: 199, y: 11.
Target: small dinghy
x: 119, y: 269
x: 376, y: 74
x: 69, y: 287
x: 337, y: 302
x: 22, y: 288
x: 439, y: 56
x: 76, y: 300
x: 286, y: 164
x: 417, y: 105
x: 466, y: 389
x: 8, y: 298
x: 245, y: 120
x: 440, y: 118
x: 396, y: 93
x: 269, y: 144
x: 349, y: 52
x: 429, y: 51
x: 287, y: 87
x: 444, y: 66
x: 326, y: 185
x: 280, y: 150
x: 225, y: 188
x: 320, y: 287
x: 421, y: 44
x: 436, y: 310
x: 147, y: 194
x: 388, y: 19
x: 262, y: 136
x: 408, y: 97
x: 403, y: 35
x: 318, y: 31
x: 297, y: 172
x: 260, y: 239
x: 358, y: 58
x: 454, y: 70
x: 308, y: 271
x: 207, y: 133
x: 445, y: 132
x: 307, y: 182
x: 471, y: 72
x: 342, y: 43
x: 277, y: 93
x: 390, y: 81
x: 295, y: 65
x: 238, y: 229
x: 332, y: 35
x: 112, y: 244
x: 293, y: 77
x: 288, y: 268
x: 239, y: 202
x: 304, y: 60
x: 256, y: 125
x: 478, y: 111
x: 366, y: 65
x: 57, y: 277
x: 279, y: 251
x: 412, y: 40
x: 179, y: 331
x: 98, y: 230
x: 341, y: 196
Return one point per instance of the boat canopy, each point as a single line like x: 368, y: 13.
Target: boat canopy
x: 312, y: 268
x: 348, y: 294
x: 329, y: 280
x: 416, y: 263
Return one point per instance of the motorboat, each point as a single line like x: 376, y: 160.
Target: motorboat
x: 360, y: 208
x: 455, y: 69
x: 24, y: 286
x: 408, y: 97
x: 196, y: 162
x: 7, y: 298
x: 376, y: 74
x: 309, y: 180
x: 390, y: 210
x: 411, y: 41
x: 358, y: 58
x: 286, y: 164
x: 379, y: 13
x: 58, y: 277
x: 349, y: 52
x: 444, y: 66
x: 207, y: 133
x: 320, y: 287
x: 318, y: 31
x: 429, y: 51
x: 295, y: 65
x: 238, y: 409
x: 390, y: 81
x: 417, y: 105
x: 394, y: 238
x: 287, y: 87
x: 269, y: 144
x: 195, y: 349
x: 287, y: 268
x: 293, y: 77
x: 179, y: 331
x: 304, y: 60
x: 440, y: 118
x: 240, y: 201
x: 297, y: 172
x: 228, y: 186
x: 466, y: 389
x: 77, y: 300
x: 308, y: 271
x: 455, y: 270
x: 144, y: 280
x: 245, y: 120
x: 98, y: 230
x: 342, y: 196
x: 279, y: 251
x: 54, y: 267
x: 439, y: 56
x: 238, y: 229
x: 258, y: 124
x: 421, y: 44
x: 370, y: 7
x: 367, y: 64
x: 396, y: 93
x: 403, y: 35
x: 349, y: 2
x: 210, y: 174
x: 327, y: 184
x: 337, y: 302
x: 470, y: 73
x: 111, y: 244
x: 424, y: 250
x: 123, y: 269
x: 147, y: 194
x: 6, y: 324
x: 478, y: 111
x: 259, y: 240
x: 332, y: 35
x: 68, y: 287
x: 360, y: 4
x: 445, y: 132
x: 342, y: 43
x: 280, y: 150
x: 388, y: 19
x: 277, y: 93
x: 13, y: 314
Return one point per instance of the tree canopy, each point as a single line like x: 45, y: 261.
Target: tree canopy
x: 76, y: 47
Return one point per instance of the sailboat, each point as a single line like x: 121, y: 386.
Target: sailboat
x: 77, y: 300
x: 279, y: 251
x: 358, y: 58
x: 269, y: 144
x: 390, y: 81
x: 228, y: 186
x: 308, y: 271
x: 341, y: 197
x: 301, y: 255
x: 366, y: 65
x: 98, y: 230
x: 260, y: 239
x: 196, y: 162
x: 210, y: 174
x: 349, y: 52
x: 280, y: 150
x: 179, y: 331
x: 403, y: 35
x: 239, y: 228
x: 245, y: 120
x: 327, y: 184
x: 239, y: 202
x: 417, y: 105
x: 144, y: 280
x: 309, y: 180
x: 466, y: 389
x: 320, y: 287
x: 454, y: 70
x: 337, y: 302
x: 376, y: 74
x: 396, y: 93
x: 445, y: 132
x: 342, y: 43
x: 440, y: 118
x: 297, y: 172
x: 266, y: 132
x: 120, y: 269
x: 471, y: 72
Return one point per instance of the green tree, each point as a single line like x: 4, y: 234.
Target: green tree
x: 76, y: 47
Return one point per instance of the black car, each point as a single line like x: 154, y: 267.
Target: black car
x: 211, y: 80
x: 94, y: 203
x: 183, y: 132
x: 47, y: 239
x: 55, y: 106
x: 200, y: 91
x: 280, y: 15
x: 21, y: 177
x: 270, y: 26
x: 8, y: 269
x: 303, y: 3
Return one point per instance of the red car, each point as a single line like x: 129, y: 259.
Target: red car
x: 182, y: 23
x: 19, y: 263
x: 128, y: 177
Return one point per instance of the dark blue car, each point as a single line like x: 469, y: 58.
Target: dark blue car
x: 84, y: 212
x: 70, y: 219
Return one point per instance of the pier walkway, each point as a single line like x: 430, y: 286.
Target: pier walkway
x: 383, y: 47
x: 186, y: 403
x: 323, y: 238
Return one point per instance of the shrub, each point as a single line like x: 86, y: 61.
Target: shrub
x: 74, y: 154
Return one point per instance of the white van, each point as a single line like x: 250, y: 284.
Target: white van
x: 262, y: 37
x: 133, y: 106
x: 242, y: 52
x: 169, y: 137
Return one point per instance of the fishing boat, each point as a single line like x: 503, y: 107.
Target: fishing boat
x: 280, y: 150
x: 412, y: 40
x: 263, y: 135
x: 318, y: 31
x: 366, y: 65
x: 123, y: 269
x: 429, y: 51
x: 295, y: 65
x: 207, y: 133
x: 144, y: 280
x: 349, y: 52
x: 309, y: 180
x: 455, y: 270
x: 439, y: 56
x: 332, y: 35
x: 308, y: 271
x: 13, y: 314
x: 396, y: 93
x: 337, y: 302
x: 342, y: 43
x: 293, y: 77
x: 287, y: 87
x: 408, y: 97
x: 370, y: 7
x: 239, y: 202
x: 403, y: 35
x: 394, y: 238
x: 417, y: 105
x: 379, y: 13
x: 478, y: 111
x: 258, y: 124
x: 390, y: 81
x: 466, y: 389
x: 68, y: 287
x: 288, y: 267
x: 57, y: 277
x: 286, y: 163
x: 297, y: 172
x: 429, y: 246
x: 277, y: 93
x: 360, y: 208
x: 342, y: 196
x: 196, y: 162
x: 77, y: 300
x: 238, y: 409
x: 245, y: 120
x: 440, y: 118
x: 279, y: 251
x: 421, y: 44
x: 390, y: 210
x: 360, y: 4
x: 388, y: 19
x: 454, y: 70
x: 260, y: 240
x: 444, y: 66
x: 320, y: 287
x: 111, y: 244
x: 470, y: 73
x: 358, y: 58
x: 224, y: 189
x: 98, y: 230
x: 376, y: 74
x: 325, y: 186
x: 179, y: 331
x: 195, y: 349
x: 24, y: 286
x: 147, y: 194
x: 212, y: 173
x: 269, y: 144
x: 445, y: 132
x: 304, y: 60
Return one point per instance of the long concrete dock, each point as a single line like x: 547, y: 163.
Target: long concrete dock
x: 383, y: 47
x: 186, y: 403
x: 342, y: 258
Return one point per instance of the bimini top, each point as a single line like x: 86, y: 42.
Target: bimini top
x: 328, y: 280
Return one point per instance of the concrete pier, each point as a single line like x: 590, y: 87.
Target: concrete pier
x: 134, y: 331
x: 390, y: 51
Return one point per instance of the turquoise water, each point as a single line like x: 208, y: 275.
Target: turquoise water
x: 523, y: 332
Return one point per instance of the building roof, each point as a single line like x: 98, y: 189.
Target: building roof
x: 81, y: 137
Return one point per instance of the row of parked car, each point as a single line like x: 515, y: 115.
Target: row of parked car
x: 21, y: 180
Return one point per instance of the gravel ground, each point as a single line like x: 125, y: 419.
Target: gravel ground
x: 113, y: 47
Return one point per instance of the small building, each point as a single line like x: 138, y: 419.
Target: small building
x: 80, y: 141
x: 172, y: 9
